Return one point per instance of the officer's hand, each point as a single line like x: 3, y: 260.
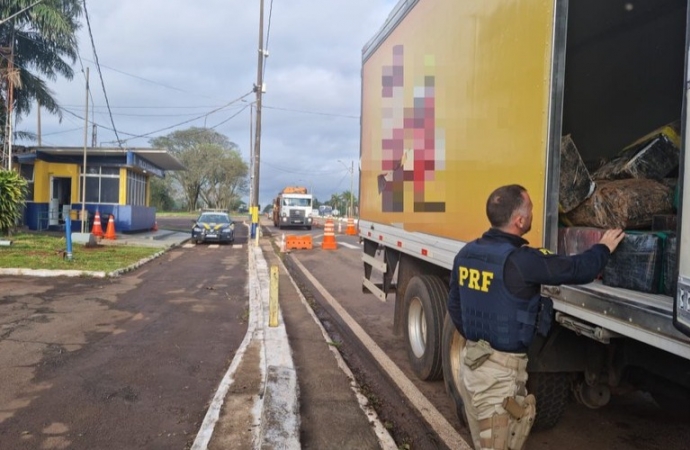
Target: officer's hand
x: 612, y: 238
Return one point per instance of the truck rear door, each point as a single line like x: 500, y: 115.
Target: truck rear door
x: 681, y: 306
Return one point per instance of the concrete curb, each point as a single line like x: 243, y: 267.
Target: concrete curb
x: 276, y: 409
x: 280, y: 421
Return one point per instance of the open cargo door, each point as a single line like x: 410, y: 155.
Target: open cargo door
x: 681, y: 306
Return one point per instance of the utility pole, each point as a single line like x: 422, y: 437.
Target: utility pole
x: 352, y: 177
x: 251, y: 153
x: 257, y: 141
x: 83, y: 169
x: 38, y: 112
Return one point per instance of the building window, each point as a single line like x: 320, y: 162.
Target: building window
x: 136, y: 188
x: 102, y: 184
x: 27, y: 172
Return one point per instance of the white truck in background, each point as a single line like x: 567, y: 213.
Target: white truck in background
x: 292, y: 208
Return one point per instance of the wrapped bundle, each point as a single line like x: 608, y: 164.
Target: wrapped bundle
x: 575, y: 240
x: 627, y: 204
x: 575, y: 184
x: 636, y: 264
x: 670, y: 265
x: 654, y: 156
x: 664, y: 222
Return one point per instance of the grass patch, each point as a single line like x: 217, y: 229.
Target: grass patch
x: 192, y: 214
x: 38, y: 251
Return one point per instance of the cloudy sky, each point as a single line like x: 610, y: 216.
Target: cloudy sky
x: 165, y: 62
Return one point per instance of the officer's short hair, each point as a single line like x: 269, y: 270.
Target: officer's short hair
x: 502, y: 204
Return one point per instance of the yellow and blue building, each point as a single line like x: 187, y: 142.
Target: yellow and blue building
x: 66, y: 180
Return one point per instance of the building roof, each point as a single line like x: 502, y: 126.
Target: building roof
x: 161, y: 158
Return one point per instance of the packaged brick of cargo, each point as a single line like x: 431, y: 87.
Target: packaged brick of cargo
x: 574, y: 240
x: 575, y: 184
x: 627, y: 204
x: 670, y: 265
x: 636, y: 264
x: 664, y: 222
x: 653, y: 156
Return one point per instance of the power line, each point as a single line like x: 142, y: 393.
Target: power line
x: 100, y: 73
x: 299, y: 172
x: 312, y: 112
x: 190, y: 120
x: 268, y: 34
x: 151, y: 115
x: 229, y: 118
x: 151, y: 81
x: 136, y: 136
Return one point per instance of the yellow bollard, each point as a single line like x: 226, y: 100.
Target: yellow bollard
x: 273, y: 298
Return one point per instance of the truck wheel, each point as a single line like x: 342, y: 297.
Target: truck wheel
x: 425, y: 305
x: 552, y: 391
x: 453, y: 342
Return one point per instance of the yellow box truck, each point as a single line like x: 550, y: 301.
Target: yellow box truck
x: 460, y: 97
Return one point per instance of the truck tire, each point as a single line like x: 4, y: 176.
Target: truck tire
x: 453, y: 342
x: 552, y: 390
x: 425, y: 306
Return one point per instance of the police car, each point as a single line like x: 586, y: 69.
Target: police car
x: 213, y: 226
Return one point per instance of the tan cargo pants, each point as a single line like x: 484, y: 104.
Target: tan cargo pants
x: 499, y: 412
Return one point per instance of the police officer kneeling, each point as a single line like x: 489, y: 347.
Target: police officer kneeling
x: 495, y: 303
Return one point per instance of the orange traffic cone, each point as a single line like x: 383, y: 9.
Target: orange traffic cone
x: 97, y: 230
x: 110, y: 231
x: 350, y: 227
x: 329, y: 236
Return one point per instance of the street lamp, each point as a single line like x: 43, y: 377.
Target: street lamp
x: 352, y: 177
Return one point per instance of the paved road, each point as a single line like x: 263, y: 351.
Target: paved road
x: 129, y: 362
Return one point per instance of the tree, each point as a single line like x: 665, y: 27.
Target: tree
x: 216, y: 175
x: 161, y: 197
x: 39, y: 41
x: 12, y: 194
x: 341, y: 202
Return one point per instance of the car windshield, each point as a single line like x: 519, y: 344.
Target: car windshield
x: 214, y: 218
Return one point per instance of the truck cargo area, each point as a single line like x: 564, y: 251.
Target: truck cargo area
x: 624, y: 72
x: 622, y: 75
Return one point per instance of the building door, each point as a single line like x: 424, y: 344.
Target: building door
x: 60, y: 199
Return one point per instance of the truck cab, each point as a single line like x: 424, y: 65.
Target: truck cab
x: 292, y: 208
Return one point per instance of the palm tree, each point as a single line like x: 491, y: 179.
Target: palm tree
x: 40, y: 41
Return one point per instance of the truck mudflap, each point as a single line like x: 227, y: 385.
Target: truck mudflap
x: 681, y: 307
x: 616, y: 312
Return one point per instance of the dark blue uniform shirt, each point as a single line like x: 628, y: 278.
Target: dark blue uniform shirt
x: 527, y: 268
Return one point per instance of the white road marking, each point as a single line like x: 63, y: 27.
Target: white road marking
x: 345, y: 244
x: 385, y: 439
x: 214, y: 246
x: 434, y: 418
x: 188, y: 245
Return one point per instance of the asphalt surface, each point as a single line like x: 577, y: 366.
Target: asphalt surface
x: 285, y: 387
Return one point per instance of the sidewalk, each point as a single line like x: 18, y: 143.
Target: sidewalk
x: 287, y: 388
